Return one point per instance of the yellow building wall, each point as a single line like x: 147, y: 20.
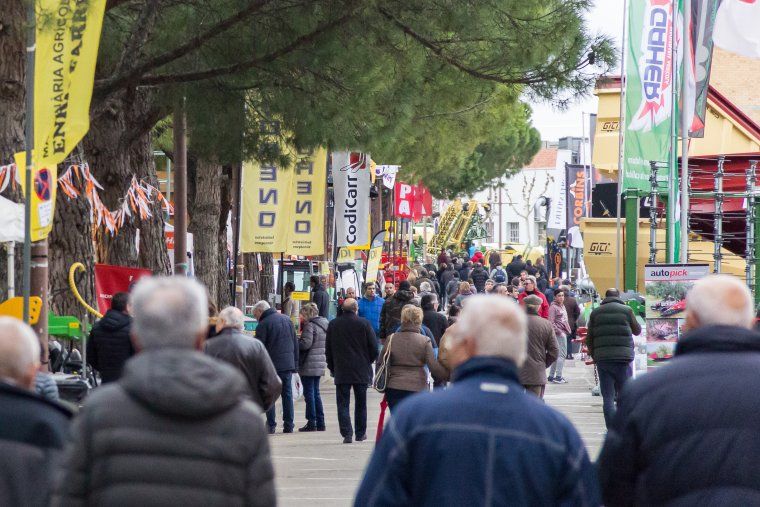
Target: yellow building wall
x: 723, y: 135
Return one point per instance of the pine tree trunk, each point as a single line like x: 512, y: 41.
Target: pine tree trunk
x: 12, y: 94
x: 117, y: 147
x: 261, y: 277
x: 71, y: 241
x: 224, y: 294
x: 204, y: 210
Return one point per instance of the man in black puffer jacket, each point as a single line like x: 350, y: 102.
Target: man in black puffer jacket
x: 611, y: 327
x: 109, y: 345
x: 276, y: 332
x: 390, y: 314
x: 688, y: 433
x: 479, y: 277
x: 177, y: 428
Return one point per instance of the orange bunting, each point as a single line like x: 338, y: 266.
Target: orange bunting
x: 78, y: 180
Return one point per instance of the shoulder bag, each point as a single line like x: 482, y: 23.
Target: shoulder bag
x: 380, y: 382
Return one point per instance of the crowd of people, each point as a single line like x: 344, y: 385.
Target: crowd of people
x: 188, y: 397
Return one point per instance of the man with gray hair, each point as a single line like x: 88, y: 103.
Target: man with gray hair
x: 175, y: 423
x: 483, y: 441
x: 276, y: 332
x: 688, y: 432
x: 247, y: 354
x: 32, y: 430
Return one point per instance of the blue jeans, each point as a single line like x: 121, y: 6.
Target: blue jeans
x: 612, y: 376
x: 314, y: 413
x: 287, y: 404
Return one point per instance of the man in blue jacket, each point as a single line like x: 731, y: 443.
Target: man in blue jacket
x: 370, y: 306
x: 688, y: 433
x: 483, y: 441
x: 276, y: 332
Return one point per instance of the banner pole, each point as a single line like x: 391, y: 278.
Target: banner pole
x: 29, y: 138
x: 672, y: 171
x: 686, y: 49
x: 621, y: 145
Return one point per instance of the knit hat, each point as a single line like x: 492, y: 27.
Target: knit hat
x: 533, y: 300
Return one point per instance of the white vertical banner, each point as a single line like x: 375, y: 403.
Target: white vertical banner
x: 558, y: 204
x: 351, y: 182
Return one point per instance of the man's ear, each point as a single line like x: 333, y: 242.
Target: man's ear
x: 200, y: 341
x: 135, y: 342
x: 691, y: 322
x: 27, y: 380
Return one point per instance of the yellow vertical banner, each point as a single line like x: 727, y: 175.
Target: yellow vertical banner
x: 266, y: 198
x: 67, y: 38
x: 375, y: 254
x: 306, y: 227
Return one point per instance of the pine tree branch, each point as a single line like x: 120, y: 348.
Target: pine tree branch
x: 533, y: 78
x: 185, y: 77
x: 141, y: 28
x: 125, y: 79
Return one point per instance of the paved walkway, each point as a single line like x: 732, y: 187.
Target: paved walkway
x: 317, y: 469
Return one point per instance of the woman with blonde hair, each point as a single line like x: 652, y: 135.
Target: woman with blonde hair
x: 408, y: 352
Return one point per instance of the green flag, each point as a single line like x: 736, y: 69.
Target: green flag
x: 648, y: 89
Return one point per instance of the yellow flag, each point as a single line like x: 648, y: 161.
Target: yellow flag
x: 267, y: 193
x: 67, y: 39
x: 306, y: 227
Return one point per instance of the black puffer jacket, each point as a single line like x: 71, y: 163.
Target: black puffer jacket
x: 479, y: 277
x: 611, y: 327
x: 687, y: 433
x: 390, y: 315
x: 436, y: 322
x: 175, y: 430
x: 277, y: 334
x: 515, y: 267
x: 251, y: 358
x: 33, y: 432
x: 109, y: 345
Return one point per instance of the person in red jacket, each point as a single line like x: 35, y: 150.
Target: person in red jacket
x: 530, y: 289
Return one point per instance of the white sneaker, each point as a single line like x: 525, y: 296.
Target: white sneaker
x: 560, y: 380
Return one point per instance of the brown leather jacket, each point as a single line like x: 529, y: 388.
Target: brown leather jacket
x: 410, y: 352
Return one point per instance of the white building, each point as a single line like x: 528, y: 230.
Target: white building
x: 518, y: 204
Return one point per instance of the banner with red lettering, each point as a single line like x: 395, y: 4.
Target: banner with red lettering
x: 576, y: 202
x: 112, y: 279
x: 404, y: 194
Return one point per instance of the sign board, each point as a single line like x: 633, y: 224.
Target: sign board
x: 666, y: 286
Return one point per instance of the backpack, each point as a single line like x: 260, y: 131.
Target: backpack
x: 500, y: 276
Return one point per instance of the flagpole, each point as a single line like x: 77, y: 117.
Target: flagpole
x: 29, y: 141
x: 672, y: 170
x: 685, y: 135
x: 621, y: 141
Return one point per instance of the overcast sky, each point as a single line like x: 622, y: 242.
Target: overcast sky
x: 605, y: 17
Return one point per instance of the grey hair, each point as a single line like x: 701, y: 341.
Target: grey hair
x: 424, y: 286
x: 168, y: 311
x: 261, y: 305
x: 497, y: 325
x: 309, y: 310
x: 19, y: 349
x: 721, y: 300
x: 232, y: 317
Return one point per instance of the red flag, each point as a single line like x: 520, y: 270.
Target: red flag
x: 112, y: 279
x: 404, y: 200
x: 423, y: 202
